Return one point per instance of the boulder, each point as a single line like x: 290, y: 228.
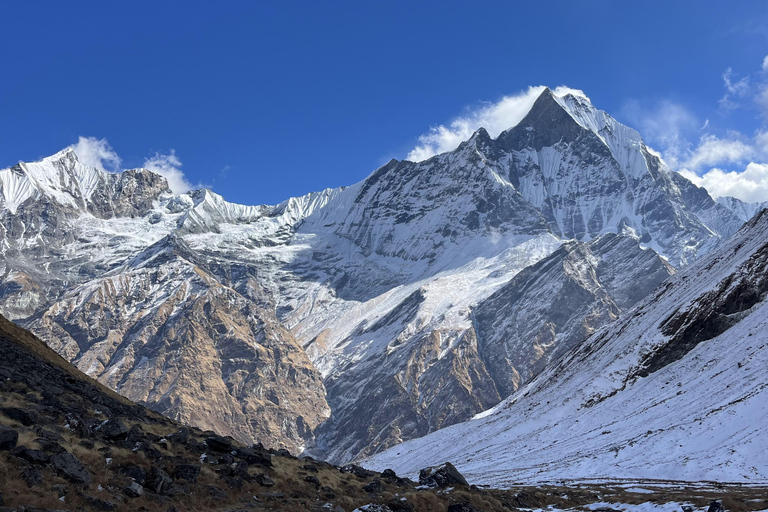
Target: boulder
x: 444, y: 475
x: 215, y: 492
x: 358, y: 471
x: 99, y: 504
x: 263, y: 480
x: 219, y: 443
x: 8, y: 438
x: 70, y: 468
x: 32, y: 476
x: 254, y: 455
x: 23, y: 416
x: 186, y: 472
x: 374, y: 486
x: 49, y: 446
x: 181, y: 437
x: 312, y: 479
x: 134, y: 490
x: 461, y: 507
x: 137, y: 473
x: 31, y: 456
x: 158, y: 481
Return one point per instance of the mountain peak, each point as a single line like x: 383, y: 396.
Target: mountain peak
x: 547, y: 123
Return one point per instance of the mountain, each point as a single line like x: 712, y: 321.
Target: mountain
x: 379, y: 301
x: 675, y: 389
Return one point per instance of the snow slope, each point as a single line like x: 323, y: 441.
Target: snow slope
x: 676, y: 389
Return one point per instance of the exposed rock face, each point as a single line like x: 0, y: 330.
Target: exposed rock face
x: 227, y: 316
x: 577, y: 289
x: 165, y: 333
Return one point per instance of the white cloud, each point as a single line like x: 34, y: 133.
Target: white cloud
x: 713, y: 151
x: 494, y: 117
x: 96, y: 153
x: 765, y: 63
x: 169, y: 166
x: 750, y: 185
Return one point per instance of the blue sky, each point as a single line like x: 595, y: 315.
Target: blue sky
x: 264, y: 100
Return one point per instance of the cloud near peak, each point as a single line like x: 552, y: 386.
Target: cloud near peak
x: 98, y: 153
x: 494, y: 117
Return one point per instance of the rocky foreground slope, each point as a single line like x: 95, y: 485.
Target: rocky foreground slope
x: 675, y: 389
x: 69, y: 443
x: 349, y: 320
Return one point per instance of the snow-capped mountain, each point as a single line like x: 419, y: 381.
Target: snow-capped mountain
x: 675, y: 390
x: 392, y: 290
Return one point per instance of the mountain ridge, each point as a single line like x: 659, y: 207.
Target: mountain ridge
x: 334, y: 273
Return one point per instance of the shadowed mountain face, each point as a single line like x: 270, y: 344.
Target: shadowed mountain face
x: 387, y: 307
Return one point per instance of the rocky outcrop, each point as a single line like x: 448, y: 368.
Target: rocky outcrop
x: 165, y: 333
x: 551, y: 306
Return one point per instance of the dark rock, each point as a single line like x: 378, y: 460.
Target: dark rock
x: 312, y: 479
x: 400, y: 506
x: 87, y: 443
x: 49, y: 446
x: 234, y: 482
x: 255, y: 455
x: 241, y: 469
x: 716, y: 506
x: 195, y: 446
x: 137, y: 473
x: 181, y: 437
x: 358, y: 471
x: 444, y: 475
x: 461, y: 507
x: 134, y: 435
x: 186, y: 472
x: 687, y: 508
x: 158, y: 481
x: 134, y: 490
x: 390, y: 475
x: 328, y: 492
x: 31, y: 456
x: 70, y: 468
x: 219, y: 443
x: 99, y: 504
x: 374, y: 486
x: 48, y: 434
x: 216, y: 492
x: 272, y: 496
x: 23, y: 416
x: 8, y: 438
x: 282, y: 452
x: 263, y: 480
x: 32, y: 476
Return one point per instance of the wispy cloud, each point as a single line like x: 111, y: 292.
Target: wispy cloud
x: 168, y: 165
x: 734, y: 90
x: 98, y: 153
x: 494, y: 117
